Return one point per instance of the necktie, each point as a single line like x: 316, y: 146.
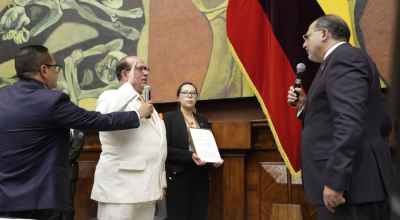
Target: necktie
x: 142, y: 101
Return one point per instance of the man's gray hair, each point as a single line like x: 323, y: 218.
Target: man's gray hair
x: 335, y: 25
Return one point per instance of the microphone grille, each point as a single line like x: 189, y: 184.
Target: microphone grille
x: 147, y: 88
x: 301, y: 67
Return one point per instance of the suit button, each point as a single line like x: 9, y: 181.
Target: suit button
x: 170, y: 178
x: 72, y: 164
x: 174, y: 172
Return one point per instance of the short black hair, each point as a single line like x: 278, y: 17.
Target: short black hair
x: 180, y: 89
x: 29, y: 59
x: 335, y: 25
x: 122, y: 64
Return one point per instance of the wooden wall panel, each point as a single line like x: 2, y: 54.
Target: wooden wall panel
x: 299, y: 197
x: 85, y: 208
x: 274, y: 187
x: 215, y: 202
x: 232, y: 135
x: 262, y: 137
x: 238, y: 109
x: 233, y: 186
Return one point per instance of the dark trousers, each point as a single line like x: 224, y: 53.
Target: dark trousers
x: 187, y: 194
x: 363, y: 211
x: 42, y: 214
x: 70, y: 213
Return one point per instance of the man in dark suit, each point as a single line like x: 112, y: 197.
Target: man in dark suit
x: 34, y: 133
x: 76, y: 141
x: 346, y: 172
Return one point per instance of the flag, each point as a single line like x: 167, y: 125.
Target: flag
x: 265, y: 38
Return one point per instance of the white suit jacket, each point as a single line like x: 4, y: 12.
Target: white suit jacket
x: 131, y: 165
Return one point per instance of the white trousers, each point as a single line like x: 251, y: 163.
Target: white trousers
x: 130, y: 211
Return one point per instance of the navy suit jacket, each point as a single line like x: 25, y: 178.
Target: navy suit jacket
x: 341, y: 144
x: 179, y: 156
x: 34, y: 134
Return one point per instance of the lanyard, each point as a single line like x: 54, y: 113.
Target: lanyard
x: 187, y: 121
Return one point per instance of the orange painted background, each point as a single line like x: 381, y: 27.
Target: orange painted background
x: 180, y: 42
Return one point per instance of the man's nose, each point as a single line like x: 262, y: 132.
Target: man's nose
x: 305, y: 45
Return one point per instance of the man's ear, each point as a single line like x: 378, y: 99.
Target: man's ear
x: 42, y: 71
x: 325, y: 34
x: 125, y: 75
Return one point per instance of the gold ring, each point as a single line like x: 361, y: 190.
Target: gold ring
x: 335, y: 203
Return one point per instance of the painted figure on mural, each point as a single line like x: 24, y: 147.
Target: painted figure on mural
x: 104, y: 70
x: 88, y: 36
x: 223, y: 78
x: 13, y: 22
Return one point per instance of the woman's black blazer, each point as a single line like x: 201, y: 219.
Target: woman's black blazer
x: 179, y: 156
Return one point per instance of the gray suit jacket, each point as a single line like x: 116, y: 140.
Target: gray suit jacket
x: 341, y: 142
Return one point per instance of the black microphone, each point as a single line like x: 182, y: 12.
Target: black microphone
x: 147, y: 95
x: 299, y: 77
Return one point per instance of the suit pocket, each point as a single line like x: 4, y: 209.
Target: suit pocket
x: 132, y: 165
x: 321, y: 154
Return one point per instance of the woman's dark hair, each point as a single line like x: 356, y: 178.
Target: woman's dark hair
x: 180, y: 90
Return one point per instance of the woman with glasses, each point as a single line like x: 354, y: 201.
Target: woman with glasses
x: 187, y: 174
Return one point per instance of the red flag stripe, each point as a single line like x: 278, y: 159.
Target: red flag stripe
x: 269, y: 73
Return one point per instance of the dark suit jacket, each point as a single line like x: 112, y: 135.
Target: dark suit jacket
x: 179, y: 156
x: 341, y: 144
x: 34, y: 134
x: 76, y: 142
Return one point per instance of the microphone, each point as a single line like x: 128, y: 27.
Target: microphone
x: 299, y: 77
x: 147, y: 95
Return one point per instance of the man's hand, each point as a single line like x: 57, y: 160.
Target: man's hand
x: 197, y: 160
x: 133, y: 78
x: 146, y: 109
x: 333, y: 198
x: 163, y: 197
x: 292, y: 97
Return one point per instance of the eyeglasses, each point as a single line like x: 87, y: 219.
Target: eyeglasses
x: 306, y: 36
x: 141, y: 69
x: 186, y: 94
x: 58, y: 67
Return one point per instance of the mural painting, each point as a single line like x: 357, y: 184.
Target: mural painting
x: 180, y: 40
x: 86, y: 37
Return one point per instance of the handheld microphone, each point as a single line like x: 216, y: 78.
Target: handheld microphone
x: 147, y: 95
x: 299, y: 77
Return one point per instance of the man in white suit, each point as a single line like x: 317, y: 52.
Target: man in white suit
x: 130, y: 176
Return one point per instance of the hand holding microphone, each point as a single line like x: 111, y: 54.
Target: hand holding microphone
x: 296, y: 96
x: 147, y: 96
x: 147, y: 108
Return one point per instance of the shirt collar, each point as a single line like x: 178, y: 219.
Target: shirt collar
x: 332, y: 49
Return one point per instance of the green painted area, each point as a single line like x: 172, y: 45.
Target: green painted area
x: 77, y: 33
x: 4, y: 3
x: 7, y: 69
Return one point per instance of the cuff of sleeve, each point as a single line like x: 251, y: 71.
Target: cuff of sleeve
x: 190, y: 157
x: 164, y: 179
x: 338, y: 183
x: 299, y: 112
x: 138, y: 116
